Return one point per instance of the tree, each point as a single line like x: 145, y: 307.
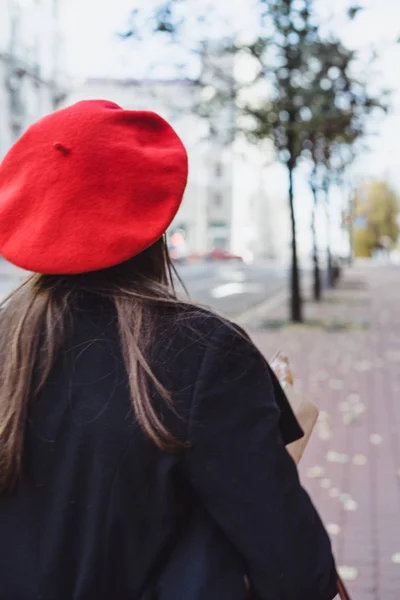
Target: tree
x: 313, y: 105
x: 317, y: 109
x: 341, y: 105
x: 282, y: 52
x: 285, y: 59
x: 331, y: 121
x: 377, y: 207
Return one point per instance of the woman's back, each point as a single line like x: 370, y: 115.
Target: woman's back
x: 103, y: 510
x: 98, y: 507
x: 102, y: 507
x: 142, y: 440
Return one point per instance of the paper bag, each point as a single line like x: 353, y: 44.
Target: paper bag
x: 305, y: 411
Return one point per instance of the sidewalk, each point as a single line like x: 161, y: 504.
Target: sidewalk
x: 349, y: 362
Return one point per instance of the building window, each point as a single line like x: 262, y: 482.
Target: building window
x: 220, y: 243
x: 218, y: 235
x: 217, y: 200
x: 221, y: 226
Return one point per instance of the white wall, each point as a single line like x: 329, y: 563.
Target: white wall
x: 173, y: 101
x: 31, y: 61
x: 230, y: 201
x: 260, y: 217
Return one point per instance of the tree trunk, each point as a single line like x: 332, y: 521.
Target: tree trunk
x: 296, y: 304
x: 330, y: 277
x: 350, y: 230
x: 317, y: 288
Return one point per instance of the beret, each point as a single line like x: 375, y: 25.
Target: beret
x: 88, y: 187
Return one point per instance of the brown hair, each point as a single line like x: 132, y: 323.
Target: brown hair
x: 33, y: 321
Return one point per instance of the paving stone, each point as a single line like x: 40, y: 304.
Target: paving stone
x: 353, y: 375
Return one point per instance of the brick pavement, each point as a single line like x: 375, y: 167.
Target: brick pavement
x: 352, y: 465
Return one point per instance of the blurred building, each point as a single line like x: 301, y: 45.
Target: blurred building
x: 230, y: 202
x: 31, y: 57
x: 172, y: 100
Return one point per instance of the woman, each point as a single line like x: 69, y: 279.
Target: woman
x: 141, y: 439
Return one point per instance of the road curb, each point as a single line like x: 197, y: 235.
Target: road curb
x: 250, y: 317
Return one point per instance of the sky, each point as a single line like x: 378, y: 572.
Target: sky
x: 93, y: 49
x: 92, y: 29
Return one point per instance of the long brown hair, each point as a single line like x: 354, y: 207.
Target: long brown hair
x: 33, y: 321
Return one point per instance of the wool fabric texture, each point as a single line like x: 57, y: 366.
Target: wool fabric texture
x: 88, y: 187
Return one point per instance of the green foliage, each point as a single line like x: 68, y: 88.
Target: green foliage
x: 287, y: 61
x: 314, y: 109
x: 380, y: 205
x: 163, y: 18
x: 364, y: 243
x: 315, y: 105
x: 353, y: 11
x: 320, y: 105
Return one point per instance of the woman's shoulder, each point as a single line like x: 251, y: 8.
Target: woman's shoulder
x: 193, y: 339
x: 203, y: 328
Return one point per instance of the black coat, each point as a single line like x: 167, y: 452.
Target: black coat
x: 105, y: 515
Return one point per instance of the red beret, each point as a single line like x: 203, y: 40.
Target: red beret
x: 88, y: 187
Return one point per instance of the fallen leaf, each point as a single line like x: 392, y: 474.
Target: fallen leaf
x: 376, y: 439
x: 350, y: 506
x: 396, y: 558
x: 333, y: 529
x: 335, y: 457
x: 359, y: 408
x: 315, y: 472
x: 325, y: 483
x: 348, y: 573
x: 324, y: 428
x: 348, y: 503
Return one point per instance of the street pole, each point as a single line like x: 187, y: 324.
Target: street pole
x: 350, y: 228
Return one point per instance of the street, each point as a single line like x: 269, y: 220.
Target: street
x: 10, y: 277
x: 229, y: 288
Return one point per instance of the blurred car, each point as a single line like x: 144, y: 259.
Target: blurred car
x: 178, y: 252
x: 217, y: 254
